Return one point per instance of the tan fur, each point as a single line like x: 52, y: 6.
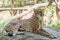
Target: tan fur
x: 32, y: 24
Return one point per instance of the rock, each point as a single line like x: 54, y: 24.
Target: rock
x: 33, y: 36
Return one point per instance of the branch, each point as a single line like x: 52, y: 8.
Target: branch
x: 57, y: 4
x: 5, y: 9
x: 28, y: 11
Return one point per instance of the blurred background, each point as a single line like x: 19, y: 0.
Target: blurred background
x: 51, y: 13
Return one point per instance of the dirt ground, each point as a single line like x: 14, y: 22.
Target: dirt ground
x: 32, y: 36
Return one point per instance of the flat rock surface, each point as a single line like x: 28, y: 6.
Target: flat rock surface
x: 33, y: 36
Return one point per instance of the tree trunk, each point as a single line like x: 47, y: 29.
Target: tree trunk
x: 13, y: 5
x: 57, y: 12
x: 24, y: 3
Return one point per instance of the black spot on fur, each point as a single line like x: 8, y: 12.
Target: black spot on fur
x: 10, y: 34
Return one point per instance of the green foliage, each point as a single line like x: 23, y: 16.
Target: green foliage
x: 28, y: 0
x: 1, y: 37
x: 44, y: 0
x: 21, y: 2
x: 2, y: 25
x: 3, y: 5
x: 52, y: 9
x: 56, y: 26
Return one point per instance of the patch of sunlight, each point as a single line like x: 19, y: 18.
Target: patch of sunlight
x: 28, y: 16
x: 3, y: 16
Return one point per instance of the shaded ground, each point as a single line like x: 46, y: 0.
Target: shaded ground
x: 32, y: 36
